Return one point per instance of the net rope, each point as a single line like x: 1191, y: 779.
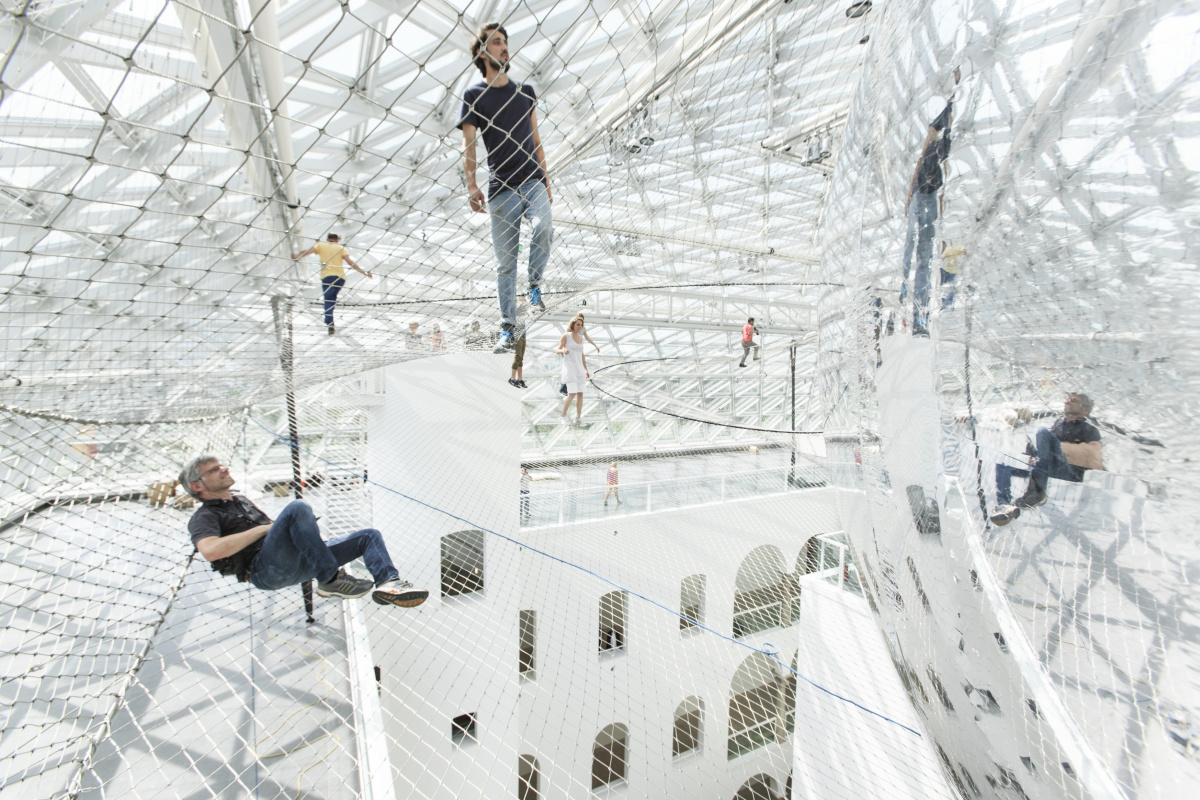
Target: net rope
x: 700, y: 587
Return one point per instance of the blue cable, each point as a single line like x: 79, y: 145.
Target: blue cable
x: 772, y: 653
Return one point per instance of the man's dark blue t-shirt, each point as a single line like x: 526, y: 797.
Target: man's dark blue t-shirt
x: 502, y: 115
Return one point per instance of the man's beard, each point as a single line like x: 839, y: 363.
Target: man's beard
x: 497, y: 64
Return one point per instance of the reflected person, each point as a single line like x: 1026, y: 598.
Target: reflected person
x: 1063, y: 452
x: 922, y: 210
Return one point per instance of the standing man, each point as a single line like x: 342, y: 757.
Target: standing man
x: 503, y: 113
x: 239, y: 539
x: 333, y: 276
x: 748, y: 331
x: 923, y: 209
x: 1064, y: 452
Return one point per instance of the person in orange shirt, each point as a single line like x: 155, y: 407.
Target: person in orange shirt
x: 333, y: 275
x: 748, y: 331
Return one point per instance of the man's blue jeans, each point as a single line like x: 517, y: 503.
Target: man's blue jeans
x: 1049, y: 463
x: 330, y: 286
x: 529, y: 201
x: 922, y: 214
x: 293, y: 552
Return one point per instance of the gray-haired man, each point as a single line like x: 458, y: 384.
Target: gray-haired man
x: 239, y: 539
x: 1062, y: 452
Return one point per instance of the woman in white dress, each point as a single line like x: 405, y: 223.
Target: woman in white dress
x: 574, y: 370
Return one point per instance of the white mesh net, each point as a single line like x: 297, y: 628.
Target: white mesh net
x: 729, y: 571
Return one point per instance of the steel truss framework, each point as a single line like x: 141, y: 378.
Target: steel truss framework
x: 163, y: 159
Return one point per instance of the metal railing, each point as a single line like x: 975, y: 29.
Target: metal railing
x: 567, y: 506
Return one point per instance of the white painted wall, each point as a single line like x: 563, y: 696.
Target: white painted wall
x: 578, y: 691
x: 852, y: 754
x: 447, y: 435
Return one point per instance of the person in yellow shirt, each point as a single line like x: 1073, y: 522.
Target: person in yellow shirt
x: 333, y: 276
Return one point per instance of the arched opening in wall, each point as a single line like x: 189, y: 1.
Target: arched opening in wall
x: 528, y: 778
x: 462, y: 563
x: 691, y: 602
x: 760, y: 787
x: 762, y: 592
x: 757, y: 710
x: 614, y: 608
x: 689, y: 727
x: 609, y: 753
x: 828, y: 555
x: 809, y: 560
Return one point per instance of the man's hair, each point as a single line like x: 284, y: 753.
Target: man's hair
x: 750, y: 320
x: 1084, y: 400
x: 479, y: 44
x: 191, y: 472
x: 333, y: 237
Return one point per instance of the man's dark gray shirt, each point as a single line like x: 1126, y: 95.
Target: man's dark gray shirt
x: 224, y: 518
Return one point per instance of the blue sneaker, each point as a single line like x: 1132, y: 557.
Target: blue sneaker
x: 535, y: 298
x: 504, y: 344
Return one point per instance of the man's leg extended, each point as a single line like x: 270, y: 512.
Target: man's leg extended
x: 541, y: 221
x: 293, y: 551
x: 368, y: 545
x: 926, y: 219
x: 505, y: 209
x: 1004, y: 476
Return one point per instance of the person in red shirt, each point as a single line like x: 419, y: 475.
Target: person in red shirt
x: 748, y: 331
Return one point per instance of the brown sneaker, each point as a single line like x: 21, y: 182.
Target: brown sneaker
x: 1005, y: 515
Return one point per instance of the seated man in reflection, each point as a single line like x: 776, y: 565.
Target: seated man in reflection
x: 1069, y: 447
x: 239, y: 539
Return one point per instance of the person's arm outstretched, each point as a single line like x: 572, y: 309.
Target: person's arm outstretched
x: 310, y: 251
x: 348, y: 260
x: 562, y: 345
x: 537, y: 151
x: 214, y: 548
x: 474, y: 193
x: 593, y: 344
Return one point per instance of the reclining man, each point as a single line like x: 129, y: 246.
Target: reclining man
x: 239, y: 539
x: 1069, y: 447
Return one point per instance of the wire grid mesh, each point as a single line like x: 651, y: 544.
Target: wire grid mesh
x: 1065, y: 639
x: 151, y: 220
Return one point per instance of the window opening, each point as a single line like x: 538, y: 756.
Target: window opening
x: 689, y: 717
x: 763, y: 593
x: 691, y: 602
x: 528, y: 626
x: 528, y: 778
x: 462, y: 563
x: 609, y: 755
x: 757, y: 706
x: 462, y: 729
x: 613, y: 607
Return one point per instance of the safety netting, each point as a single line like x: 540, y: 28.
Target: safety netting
x: 728, y: 570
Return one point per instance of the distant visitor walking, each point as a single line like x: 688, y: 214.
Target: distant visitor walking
x: 611, y: 478
x: 574, y: 371
x: 333, y: 275
x: 748, y: 331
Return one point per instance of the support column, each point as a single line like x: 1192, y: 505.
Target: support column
x: 282, y: 308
